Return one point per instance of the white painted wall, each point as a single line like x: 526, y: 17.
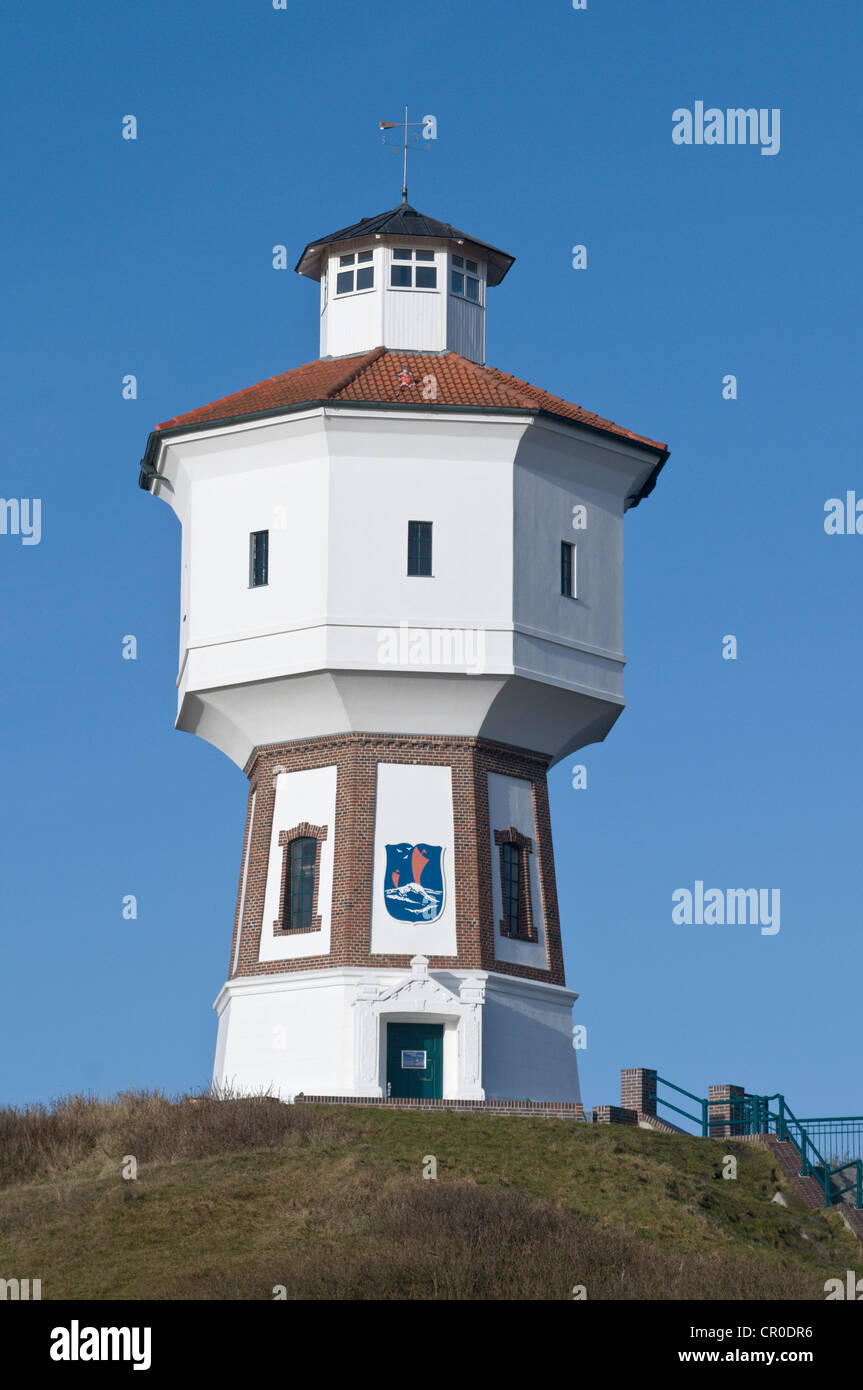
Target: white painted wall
x: 310, y: 796
x: 527, y: 1041
x: 305, y: 1032
x: 552, y: 476
x: 287, y: 1034
x: 278, y: 481
x: 407, y: 319
x: 413, y: 803
x: 510, y: 803
x: 336, y: 489
x: 465, y: 330
x: 382, y: 477
x: 353, y: 322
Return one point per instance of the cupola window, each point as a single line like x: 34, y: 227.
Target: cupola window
x: 465, y: 278
x: 413, y: 270
x: 355, y: 272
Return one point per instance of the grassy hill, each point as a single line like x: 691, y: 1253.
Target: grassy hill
x: 235, y: 1197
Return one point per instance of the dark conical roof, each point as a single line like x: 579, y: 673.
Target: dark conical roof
x: 403, y: 221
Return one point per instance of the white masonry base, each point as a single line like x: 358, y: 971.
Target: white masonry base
x: 323, y: 1032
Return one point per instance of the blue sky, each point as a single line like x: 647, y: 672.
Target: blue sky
x: 153, y: 257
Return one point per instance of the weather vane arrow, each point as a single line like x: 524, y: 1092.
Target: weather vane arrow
x: 429, y: 132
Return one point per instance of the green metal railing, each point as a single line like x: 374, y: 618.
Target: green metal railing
x: 840, y: 1136
x: 702, y: 1118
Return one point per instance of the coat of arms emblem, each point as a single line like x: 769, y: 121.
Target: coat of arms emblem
x: 413, y: 882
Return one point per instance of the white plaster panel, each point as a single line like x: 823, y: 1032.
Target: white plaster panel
x: 301, y: 796
x: 413, y: 803
x: 510, y: 803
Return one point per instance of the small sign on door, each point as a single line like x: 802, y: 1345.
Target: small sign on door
x: 414, y: 1060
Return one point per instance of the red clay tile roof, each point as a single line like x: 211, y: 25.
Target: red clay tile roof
x: 374, y: 377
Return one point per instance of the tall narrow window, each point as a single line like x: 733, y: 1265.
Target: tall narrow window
x: 567, y: 570
x: 420, y: 548
x: 517, y: 918
x: 259, y: 559
x: 303, y: 856
x: 511, y: 865
x: 298, y: 897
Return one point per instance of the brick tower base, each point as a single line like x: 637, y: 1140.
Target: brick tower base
x: 309, y: 1007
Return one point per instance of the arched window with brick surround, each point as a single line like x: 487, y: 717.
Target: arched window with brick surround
x: 517, y: 920
x: 301, y: 869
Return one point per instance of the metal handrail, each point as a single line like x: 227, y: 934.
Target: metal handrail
x: 753, y: 1115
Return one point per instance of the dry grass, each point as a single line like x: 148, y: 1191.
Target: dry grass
x: 39, y: 1141
x: 455, y: 1241
x: 234, y: 1197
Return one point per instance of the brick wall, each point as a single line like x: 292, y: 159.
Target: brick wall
x: 637, y: 1089
x: 544, y: 1109
x: 614, y: 1115
x: 725, y: 1120
x: 356, y: 756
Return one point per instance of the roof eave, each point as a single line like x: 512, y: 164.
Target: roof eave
x: 148, y: 474
x: 499, y: 262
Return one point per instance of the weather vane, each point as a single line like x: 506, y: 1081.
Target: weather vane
x: 429, y: 132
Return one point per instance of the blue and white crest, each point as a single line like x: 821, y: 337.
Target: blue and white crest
x: 413, y: 882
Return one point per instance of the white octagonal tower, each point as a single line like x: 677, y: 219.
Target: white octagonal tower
x: 401, y: 603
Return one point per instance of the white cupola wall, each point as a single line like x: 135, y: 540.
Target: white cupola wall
x: 405, y: 282
x: 403, y: 295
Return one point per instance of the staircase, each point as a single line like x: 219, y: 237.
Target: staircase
x: 809, y: 1189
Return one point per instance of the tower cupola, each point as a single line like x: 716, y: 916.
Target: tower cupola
x: 404, y: 281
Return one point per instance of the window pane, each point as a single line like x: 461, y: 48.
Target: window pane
x: 346, y: 260
x: 400, y: 276
x: 303, y: 854
x: 459, y: 261
x: 364, y: 255
x: 511, y: 888
x: 472, y: 265
x: 457, y: 283
x: 401, y: 255
x: 566, y: 569
x: 259, y: 548
x: 420, y: 548
x: 424, y: 255
x: 472, y: 289
x: 426, y: 277
x: 366, y: 278
x: 344, y: 281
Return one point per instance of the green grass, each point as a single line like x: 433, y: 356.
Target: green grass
x: 234, y: 1197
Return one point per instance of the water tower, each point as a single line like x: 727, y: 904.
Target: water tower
x: 401, y: 603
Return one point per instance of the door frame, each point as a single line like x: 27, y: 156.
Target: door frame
x: 418, y: 997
